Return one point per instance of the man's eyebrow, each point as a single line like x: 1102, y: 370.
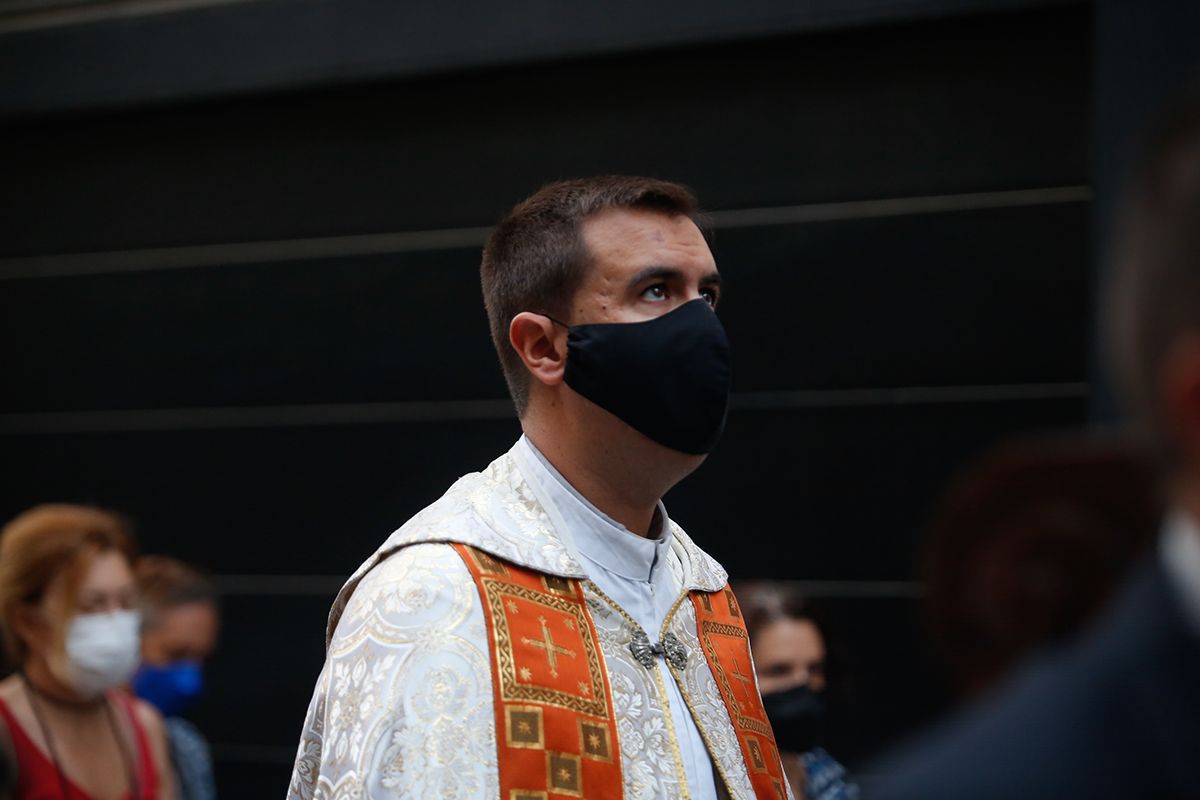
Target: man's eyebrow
x: 668, y: 273
x: 654, y: 273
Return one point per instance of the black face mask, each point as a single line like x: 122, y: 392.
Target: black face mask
x: 797, y: 717
x: 667, y: 378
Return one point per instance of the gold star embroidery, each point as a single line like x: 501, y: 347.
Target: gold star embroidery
x: 564, y: 774
x: 512, y: 606
x: 524, y: 727
x: 584, y: 689
x: 526, y: 673
x: 594, y: 741
x: 570, y: 623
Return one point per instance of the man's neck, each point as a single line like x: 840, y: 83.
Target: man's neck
x: 596, y: 474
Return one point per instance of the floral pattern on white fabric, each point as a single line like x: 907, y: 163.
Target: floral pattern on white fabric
x: 403, y: 706
x: 649, y: 760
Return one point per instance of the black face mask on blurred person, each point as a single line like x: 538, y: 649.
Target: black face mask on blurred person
x: 797, y: 717
x: 667, y: 378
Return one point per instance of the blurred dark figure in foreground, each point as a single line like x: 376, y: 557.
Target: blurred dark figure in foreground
x: 179, y: 633
x: 790, y: 659
x: 68, y: 603
x: 1117, y: 714
x: 1027, y: 548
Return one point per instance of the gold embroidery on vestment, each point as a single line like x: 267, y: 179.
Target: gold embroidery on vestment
x: 708, y: 629
x: 511, y: 690
x: 563, y: 774
x: 557, y: 585
x: 733, y: 606
x: 527, y: 794
x: 486, y: 563
x: 687, y: 701
x: 756, y: 756
x: 523, y: 727
x: 547, y: 643
x: 594, y: 741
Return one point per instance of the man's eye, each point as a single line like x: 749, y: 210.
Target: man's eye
x: 655, y: 293
x: 710, y: 296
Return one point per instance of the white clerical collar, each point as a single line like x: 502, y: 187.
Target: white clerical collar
x: 1179, y: 550
x: 595, y: 535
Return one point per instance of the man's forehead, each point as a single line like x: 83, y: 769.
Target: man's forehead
x: 637, y: 237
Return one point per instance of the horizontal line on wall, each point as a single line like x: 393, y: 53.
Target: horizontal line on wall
x: 240, y: 254
x: 167, y: 419
x: 280, y: 585
x: 29, y: 15
x: 907, y: 395
x: 220, y: 418
x: 329, y: 585
x: 262, y: 252
x: 839, y: 590
x: 898, y: 207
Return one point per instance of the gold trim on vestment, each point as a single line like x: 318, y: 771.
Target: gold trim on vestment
x: 661, y: 687
x: 709, y: 628
x: 512, y: 690
x: 687, y: 701
x: 515, y: 717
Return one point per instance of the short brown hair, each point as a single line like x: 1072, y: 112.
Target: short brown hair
x: 534, y: 259
x: 1155, y: 296
x: 165, y: 582
x: 47, y: 541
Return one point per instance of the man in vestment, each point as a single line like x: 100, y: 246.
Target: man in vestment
x: 545, y: 630
x: 1115, y: 714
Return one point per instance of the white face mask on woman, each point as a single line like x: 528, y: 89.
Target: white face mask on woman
x: 103, y: 651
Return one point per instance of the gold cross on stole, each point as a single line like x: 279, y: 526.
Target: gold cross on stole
x: 553, y: 651
x: 744, y: 678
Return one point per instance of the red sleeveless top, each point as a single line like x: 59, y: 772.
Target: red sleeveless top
x: 37, y: 777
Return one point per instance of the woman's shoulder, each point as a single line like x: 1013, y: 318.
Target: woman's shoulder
x: 143, y: 714
x: 147, y: 715
x: 13, y: 696
x: 10, y: 688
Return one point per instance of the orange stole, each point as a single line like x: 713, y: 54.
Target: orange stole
x: 727, y: 648
x: 556, y: 733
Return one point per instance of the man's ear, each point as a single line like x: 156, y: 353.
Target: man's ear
x: 541, y: 344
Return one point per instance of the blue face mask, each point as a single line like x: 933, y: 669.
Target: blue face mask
x: 170, y: 688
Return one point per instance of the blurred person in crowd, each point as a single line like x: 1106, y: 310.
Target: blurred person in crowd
x: 68, y: 605
x: 1115, y: 714
x: 1027, y: 547
x: 791, y: 662
x: 544, y: 629
x: 179, y: 632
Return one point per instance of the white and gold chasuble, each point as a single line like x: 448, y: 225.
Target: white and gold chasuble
x: 403, y: 707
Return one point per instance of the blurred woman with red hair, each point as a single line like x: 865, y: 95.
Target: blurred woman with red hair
x: 68, y: 605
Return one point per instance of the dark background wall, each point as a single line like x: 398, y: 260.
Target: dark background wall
x: 239, y: 296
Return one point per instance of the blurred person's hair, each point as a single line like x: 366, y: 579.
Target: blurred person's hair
x: 1028, y: 545
x: 535, y: 258
x: 1155, y: 295
x: 44, y: 543
x: 763, y: 602
x: 165, y: 583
